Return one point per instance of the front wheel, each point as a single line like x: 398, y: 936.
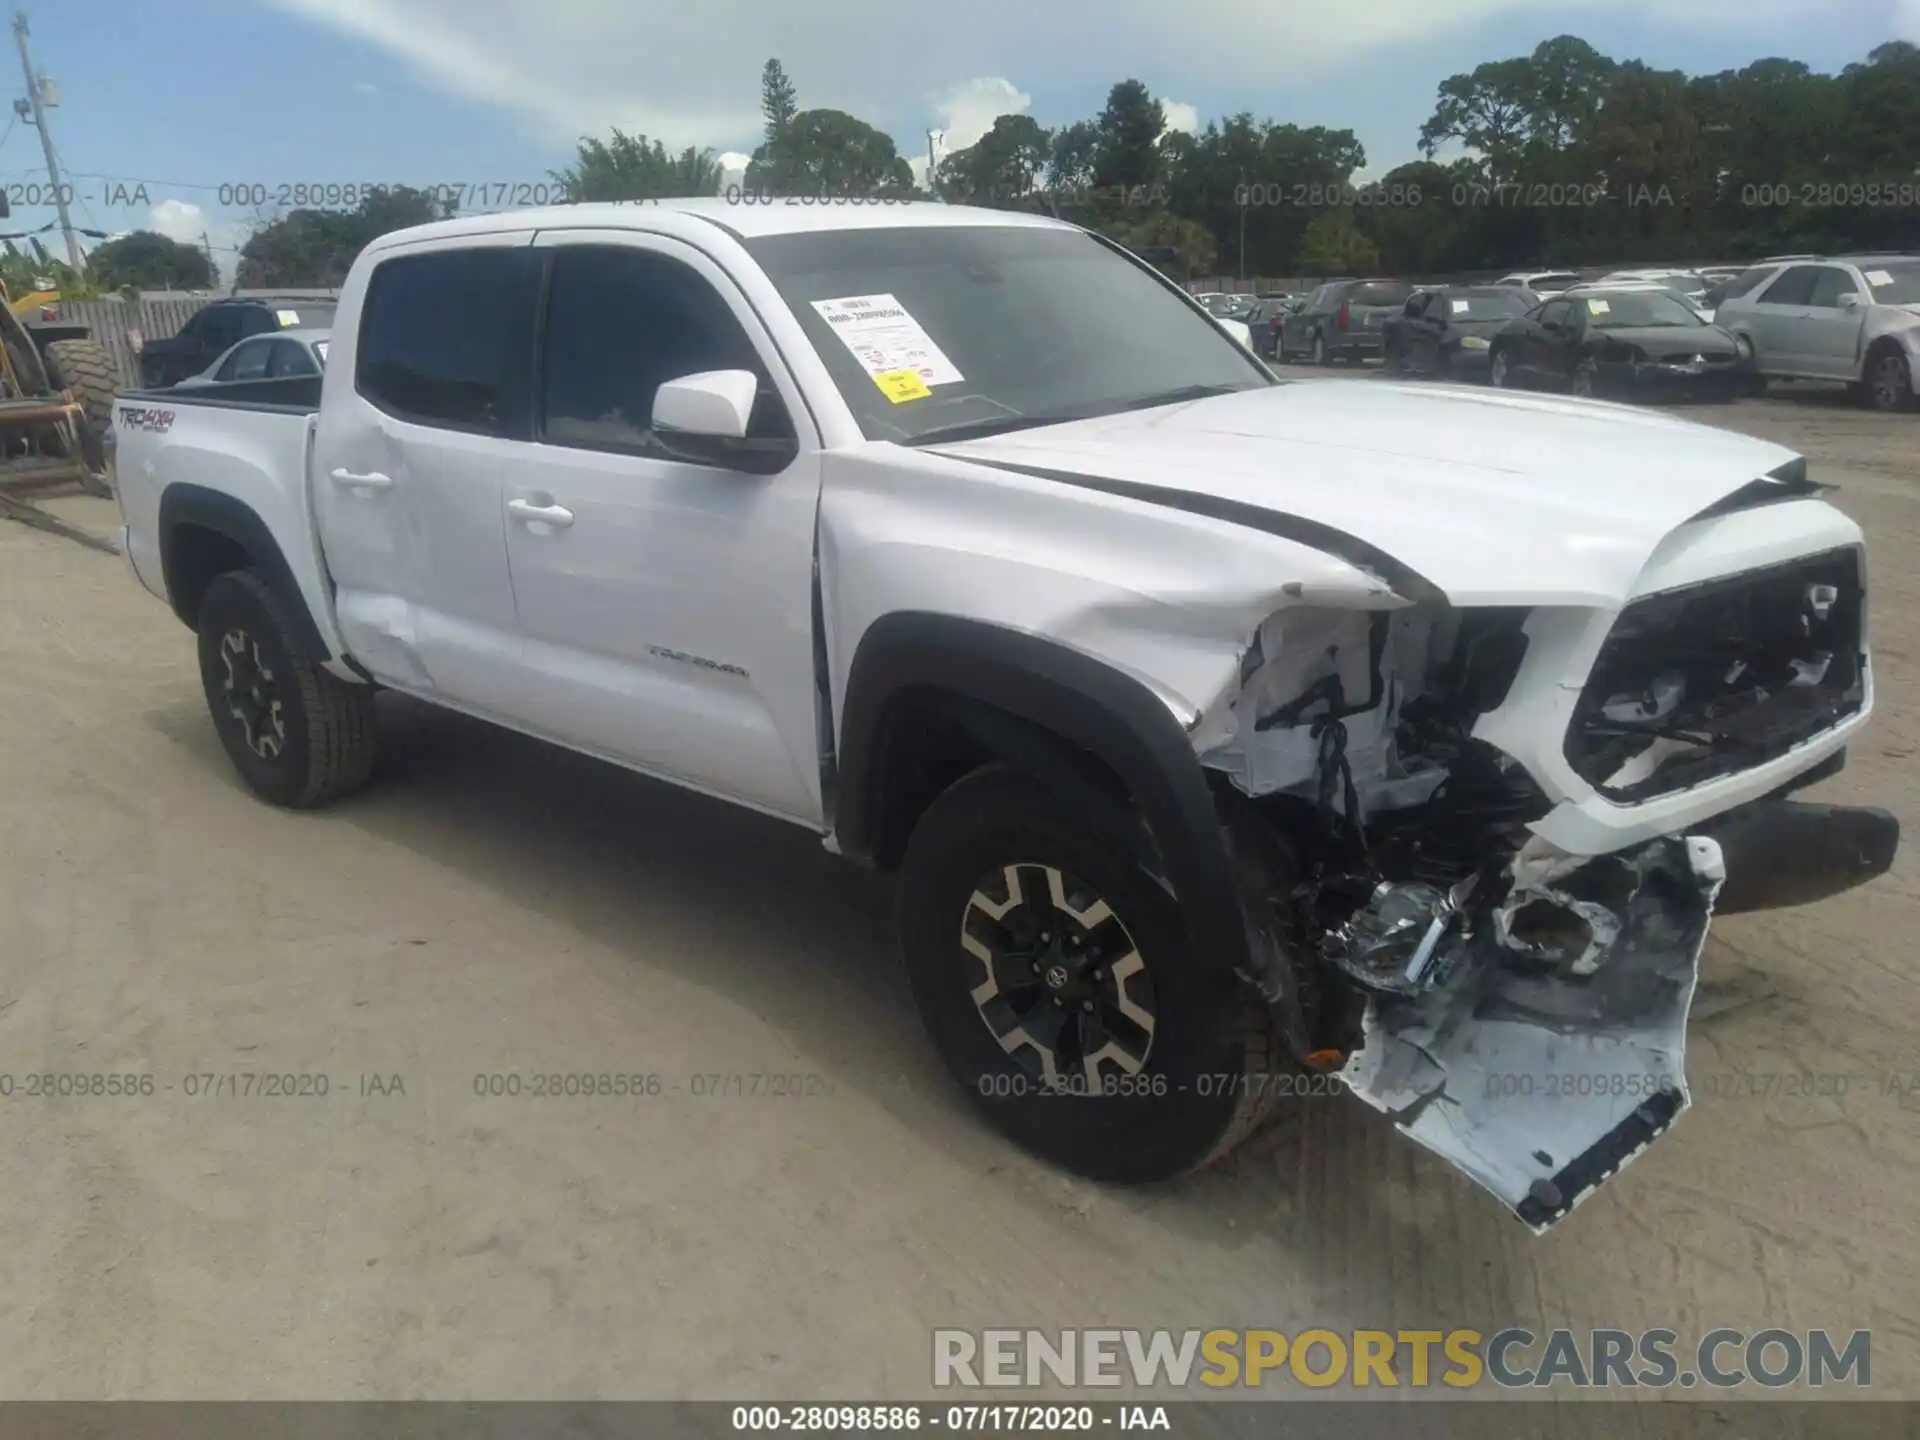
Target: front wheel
x: 1319, y: 348
x: 297, y: 734
x: 1500, y: 370
x: 1054, y: 976
x: 1890, y: 382
x: 1586, y: 379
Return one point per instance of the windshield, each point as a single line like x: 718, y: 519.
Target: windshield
x: 1894, y: 284
x: 1638, y: 309
x: 938, y: 332
x: 1489, y: 304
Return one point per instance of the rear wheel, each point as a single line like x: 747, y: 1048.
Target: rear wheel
x: 1054, y: 976
x: 1586, y: 379
x: 1500, y: 369
x: 1319, y: 348
x: 298, y: 735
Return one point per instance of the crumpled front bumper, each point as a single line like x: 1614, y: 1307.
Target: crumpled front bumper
x: 1536, y: 1076
x: 1547, y: 1046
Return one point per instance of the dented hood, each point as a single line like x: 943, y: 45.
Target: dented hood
x: 1494, y: 498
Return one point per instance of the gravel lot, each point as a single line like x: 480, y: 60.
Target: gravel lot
x: 495, y: 905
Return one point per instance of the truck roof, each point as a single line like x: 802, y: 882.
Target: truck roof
x: 747, y: 218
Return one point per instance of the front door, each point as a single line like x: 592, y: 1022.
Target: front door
x: 665, y: 605
x: 1827, y: 334
x: 425, y: 418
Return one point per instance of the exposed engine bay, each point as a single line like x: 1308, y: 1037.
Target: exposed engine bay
x: 1517, y: 1009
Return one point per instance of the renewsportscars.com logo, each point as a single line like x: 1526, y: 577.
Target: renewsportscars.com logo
x: 1513, y: 1358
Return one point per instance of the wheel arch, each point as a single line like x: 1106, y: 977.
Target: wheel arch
x: 205, y: 533
x: 1097, y: 734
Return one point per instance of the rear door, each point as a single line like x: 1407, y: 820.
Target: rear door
x: 1774, y: 320
x: 424, y: 418
x: 667, y: 610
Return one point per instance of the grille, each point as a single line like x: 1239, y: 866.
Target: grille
x: 1717, y: 678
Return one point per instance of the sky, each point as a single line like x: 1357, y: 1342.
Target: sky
x: 198, y: 117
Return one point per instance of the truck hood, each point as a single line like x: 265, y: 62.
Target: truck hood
x: 1490, y: 497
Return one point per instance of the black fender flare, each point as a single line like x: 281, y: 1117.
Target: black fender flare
x: 187, y: 504
x: 1063, y: 691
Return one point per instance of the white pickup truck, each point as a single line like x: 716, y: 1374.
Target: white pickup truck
x: 1232, y: 737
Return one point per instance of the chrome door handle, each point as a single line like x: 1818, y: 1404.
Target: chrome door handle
x: 529, y: 513
x: 372, y: 480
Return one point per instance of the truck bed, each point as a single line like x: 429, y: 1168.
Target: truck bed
x: 301, y: 394
x: 217, y: 453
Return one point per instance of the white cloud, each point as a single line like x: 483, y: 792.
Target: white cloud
x: 1906, y: 20
x: 180, y: 220
x: 366, y: 87
x: 1181, y: 116
x: 967, y: 111
x: 689, y: 74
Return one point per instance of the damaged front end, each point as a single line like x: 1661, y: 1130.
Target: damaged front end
x: 1518, y: 1010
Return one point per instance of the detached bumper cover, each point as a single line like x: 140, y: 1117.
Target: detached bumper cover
x: 1531, y: 1065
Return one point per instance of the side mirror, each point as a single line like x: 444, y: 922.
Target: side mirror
x: 704, y: 418
x: 1238, y: 330
x: 1851, y: 300
x: 713, y: 405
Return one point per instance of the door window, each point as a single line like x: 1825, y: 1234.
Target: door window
x: 290, y: 358
x: 444, y: 339
x: 1795, y: 287
x: 1830, y: 284
x: 247, y: 362
x: 620, y: 323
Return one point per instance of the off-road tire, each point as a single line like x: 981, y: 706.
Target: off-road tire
x: 326, y: 735
x: 1209, y: 1076
x: 85, y: 367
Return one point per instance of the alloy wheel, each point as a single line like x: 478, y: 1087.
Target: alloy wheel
x: 249, y: 690
x: 1060, y: 984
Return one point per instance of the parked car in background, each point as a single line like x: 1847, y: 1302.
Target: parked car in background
x: 1630, y: 342
x: 280, y: 356
x: 1448, y: 330
x: 1854, y: 318
x: 1229, y: 304
x: 1342, y: 320
x: 1690, y: 285
x: 218, y: 327
x: 1544, y: 283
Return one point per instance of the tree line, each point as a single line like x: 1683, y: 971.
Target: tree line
x: 1561, y: 157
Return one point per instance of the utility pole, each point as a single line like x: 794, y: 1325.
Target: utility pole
x: 933, y: 163
x: 39, y: 122
x: 213, y: 270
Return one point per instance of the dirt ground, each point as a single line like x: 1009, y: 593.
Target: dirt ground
x: 494, y: 906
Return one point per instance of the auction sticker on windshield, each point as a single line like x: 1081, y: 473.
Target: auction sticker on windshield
x: 1598, y: 307
x: 885, y: 339
x: 900, y: 386
x: 1878, y: 278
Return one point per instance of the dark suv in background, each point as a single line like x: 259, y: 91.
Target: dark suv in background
x: 210, y: 332
x: 1343, y: 320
